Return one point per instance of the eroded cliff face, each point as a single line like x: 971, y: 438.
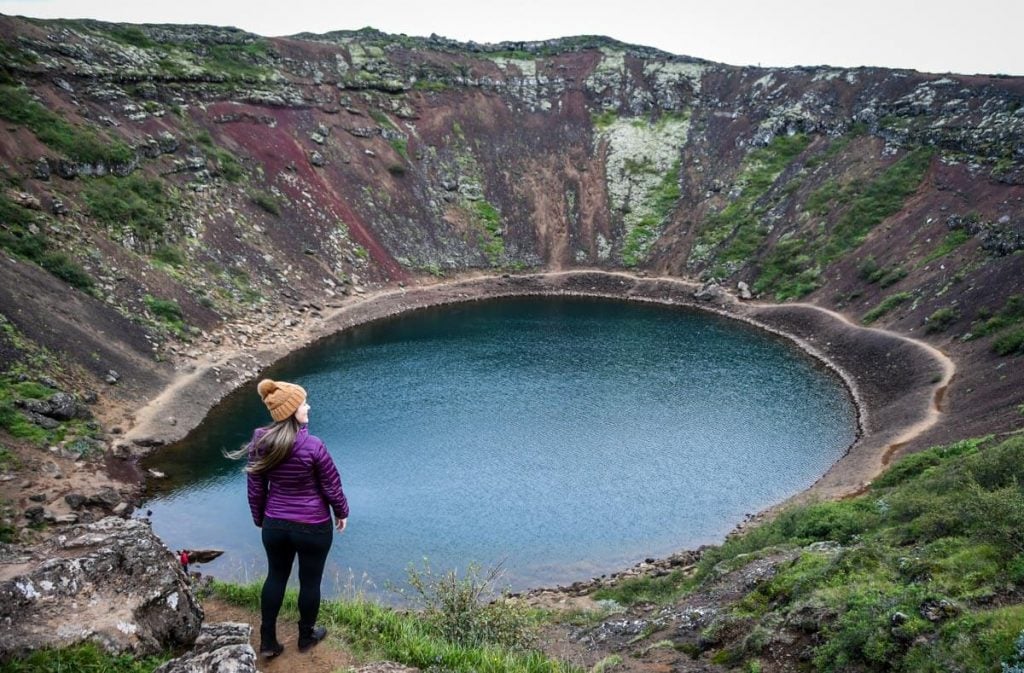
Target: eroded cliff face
x: 162, y: 182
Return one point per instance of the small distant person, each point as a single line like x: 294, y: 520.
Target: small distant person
x: 184, y: 560
x: 293, y: 486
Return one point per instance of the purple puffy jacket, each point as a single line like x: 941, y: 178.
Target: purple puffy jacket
x: 300, y: 487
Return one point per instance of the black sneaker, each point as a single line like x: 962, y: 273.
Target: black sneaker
x: 310, y: 636
x: 271, y: 651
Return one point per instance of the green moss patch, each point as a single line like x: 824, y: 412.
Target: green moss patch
x: 138, y: 204
x: 661, y: 200
x: 736, y: 232
x: 17, y: 239
x: 76, y: 142
x: 866, y: 207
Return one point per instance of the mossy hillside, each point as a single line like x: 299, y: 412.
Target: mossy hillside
x: 206, y: 54
x: 135, y: 208
x: 793, y: 268
x: 642, y: 169
x: 13, y: 421
x: 16, y: 237
x: 730, y: 237
x: 886, y: 305
x: 78, y: 143
x: 484, y: 216
x: 925, y: 578
x: 1005, y: 323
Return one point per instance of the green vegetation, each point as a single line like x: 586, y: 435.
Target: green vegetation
x: 8, y: 461
x: 838, y: 145
x: 870, y: 272
x: 166, y: 311
x: 645, y: 589
x: 17, y: 239
x: 381, y: 118
x: 459, y: 610
x: 886, y: 305
x: 1011, y: 343
x: 130, y: 35
x: 737, y: 230
x: 606, y: 664
x: 239, y: 61
x: 12, y: 420
x: 169, y: 254
x: 267, y: 201
x: 1012, y: 313
x: 401, y: 146
x: 604, y: 119
x: 457, y: 630
x: 927, y: 576
x: 135, y: 202
x: 662, y: 200
x: 941, y: 319
x: 88, y: 658
x: 823, y: 200
x: 429, y: 85
x: 228, y: 166
x: 788, y: 277
x: 489, y: 220
x: 951, y: 242
x: 77, y: 143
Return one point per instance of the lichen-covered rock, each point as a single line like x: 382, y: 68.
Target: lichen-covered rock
x: 220, y: 648
x: 112, y: 582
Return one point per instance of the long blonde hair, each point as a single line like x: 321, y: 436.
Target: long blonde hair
x: 271, y: 448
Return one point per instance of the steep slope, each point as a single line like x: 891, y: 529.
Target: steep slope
x: 171, y: 188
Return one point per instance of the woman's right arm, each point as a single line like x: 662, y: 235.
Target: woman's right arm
x: 256, y: 487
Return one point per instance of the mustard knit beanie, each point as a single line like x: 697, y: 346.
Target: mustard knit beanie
x: 282, y: 399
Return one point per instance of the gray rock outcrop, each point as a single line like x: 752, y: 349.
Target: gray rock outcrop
x: 220, y: 648
x: 112, y: 582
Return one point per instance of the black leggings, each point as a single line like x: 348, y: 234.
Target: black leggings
x: 283, y: 540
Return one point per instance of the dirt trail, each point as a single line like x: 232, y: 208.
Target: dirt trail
x: 329, y: 656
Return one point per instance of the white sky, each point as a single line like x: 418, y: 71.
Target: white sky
x: 966, y: 36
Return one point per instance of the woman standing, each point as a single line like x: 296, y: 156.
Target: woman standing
x: 293, y: 485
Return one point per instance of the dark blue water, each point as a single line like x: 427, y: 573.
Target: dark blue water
x: 564, y: 438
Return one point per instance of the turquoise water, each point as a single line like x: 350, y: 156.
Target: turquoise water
x: 563, y: 438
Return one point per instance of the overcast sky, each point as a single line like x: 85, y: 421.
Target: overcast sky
x: 966, y: 36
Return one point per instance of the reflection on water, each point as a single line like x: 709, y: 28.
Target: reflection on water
x: 562, y: 437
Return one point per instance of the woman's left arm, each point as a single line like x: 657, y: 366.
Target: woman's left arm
x: 329, y: 482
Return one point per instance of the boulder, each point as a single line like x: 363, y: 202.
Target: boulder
x: 107, y: 497
x: 220, y: 648
x: 743, y: 290
x: 112, y: 582
x: 64, y: 407
x: 710, y: 291
x: 74, y: 500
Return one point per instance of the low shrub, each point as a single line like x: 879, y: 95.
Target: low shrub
x: 886, y: 305
x: 268, y: 202
x: 166, y: 310
x: 135, y: 202
x: 941, y: 319
x: 460, y: 609
x: 1010, y: 343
